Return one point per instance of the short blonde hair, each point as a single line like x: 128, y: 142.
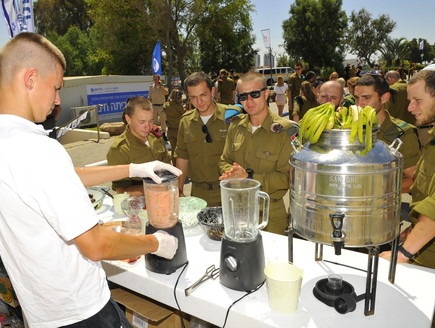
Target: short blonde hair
x: 252, y: 76
x: 28, y: 50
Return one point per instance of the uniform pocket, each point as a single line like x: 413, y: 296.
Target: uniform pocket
x: 189, y: 138
x: 266, y: 160
x: 425, y: 177
x: 267, y: 155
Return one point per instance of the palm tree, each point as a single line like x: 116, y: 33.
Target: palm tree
x: 394, y: 50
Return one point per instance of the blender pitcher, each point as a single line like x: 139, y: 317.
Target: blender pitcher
x: 162, y: 200
x: 241, y: 208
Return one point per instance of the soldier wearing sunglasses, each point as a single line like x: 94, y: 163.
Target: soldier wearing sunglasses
x: 259, y: 148
x: 201, y: 139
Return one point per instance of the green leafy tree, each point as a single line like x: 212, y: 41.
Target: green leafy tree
x: 125, y: 42
x: 365, y: 35
x: 394, y: 50
x: 416, y: 54
x: 314, y: 32
x: 78, y: 50
x: 59, y: 15
x: 229, y: 43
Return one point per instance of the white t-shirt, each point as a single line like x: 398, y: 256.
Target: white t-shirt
x: 43, y: 207
x: 280, y: 90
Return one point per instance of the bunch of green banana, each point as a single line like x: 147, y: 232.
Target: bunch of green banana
x: 316, y: 120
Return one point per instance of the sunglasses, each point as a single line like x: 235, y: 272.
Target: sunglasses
x: 254, y: 94
x: 208, y: 138
x: 298, y: 69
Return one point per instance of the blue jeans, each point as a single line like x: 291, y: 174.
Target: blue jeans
x: 110, y: 316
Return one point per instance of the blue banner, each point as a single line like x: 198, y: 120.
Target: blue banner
x: 18, y: 15
x: 156, y: 62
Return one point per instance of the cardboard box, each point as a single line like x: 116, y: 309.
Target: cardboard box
x: 143, y: 312
x: 7, y: 293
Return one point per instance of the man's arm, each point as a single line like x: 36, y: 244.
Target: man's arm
x: 408, y: 178
x: 92, y: 176
x: 100, y: 243
x: 183, y: 165
x: 165, y: 90
x: 422, y: 233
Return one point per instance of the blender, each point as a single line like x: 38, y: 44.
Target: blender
x: 162, y: 207
x: 242, y: 255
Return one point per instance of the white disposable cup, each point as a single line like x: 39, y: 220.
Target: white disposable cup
x: 283, y: 281
x: 117, y: 200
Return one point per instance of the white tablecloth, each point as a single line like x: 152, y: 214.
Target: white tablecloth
x: 408, y: 303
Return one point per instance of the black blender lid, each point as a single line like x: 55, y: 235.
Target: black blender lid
x: 165, y: 175
x: 322, y: 294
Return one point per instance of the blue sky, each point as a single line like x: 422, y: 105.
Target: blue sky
x: 412, y: 18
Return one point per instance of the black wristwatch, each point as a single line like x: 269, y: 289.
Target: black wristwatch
x: 405, y: 252
x: 250, y: 173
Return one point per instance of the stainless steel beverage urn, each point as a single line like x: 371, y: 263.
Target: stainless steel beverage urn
x: 339, y: 197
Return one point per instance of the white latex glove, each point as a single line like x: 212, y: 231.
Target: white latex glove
x: 146, y: 170
x: 168, y: 244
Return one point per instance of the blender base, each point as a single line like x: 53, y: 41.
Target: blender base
x: 242, y: 264
x: 159, y: 264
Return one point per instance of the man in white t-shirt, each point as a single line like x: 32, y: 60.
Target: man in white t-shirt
x: 50, y: 239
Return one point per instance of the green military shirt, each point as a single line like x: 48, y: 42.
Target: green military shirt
x: 267, y: 153
x: 203, y: 157
x: 173, y: 112
x: 226, y: 89
x: 423, y: 198
x: 294, y: 85
x: 397, y: 106
x: 393, y: 128
x: 306, y: 105
x: 128, y: 149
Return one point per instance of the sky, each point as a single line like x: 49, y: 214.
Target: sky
x: 408, y: 15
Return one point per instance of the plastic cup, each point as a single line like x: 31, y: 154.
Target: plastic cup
x: 117, y: 200
x: 283, y: 281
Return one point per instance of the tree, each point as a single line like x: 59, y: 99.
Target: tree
x: 314, y: 32
x: 125, y: 42
x: 78, y: 50
x: 58, y: 15
x: 365, y: 36
x: 394, y: 50
x: 415, y: 52
x: 175, y: 22
x: 229, y: 44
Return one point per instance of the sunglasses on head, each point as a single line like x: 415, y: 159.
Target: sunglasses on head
x: 253, y: 94
x: 208, y: 138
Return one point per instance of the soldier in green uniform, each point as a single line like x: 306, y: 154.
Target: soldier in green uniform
x: 156, y: 94
x: 373, y: 90
x: 201, y: 138
x: 305, y: 101
x: 226, y: 89
x: 174, y: 109
x: 258, y: 147
x: 136, y: 144
x: 397, y: 106
x: 419, y: 246
x: 294, y: 85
